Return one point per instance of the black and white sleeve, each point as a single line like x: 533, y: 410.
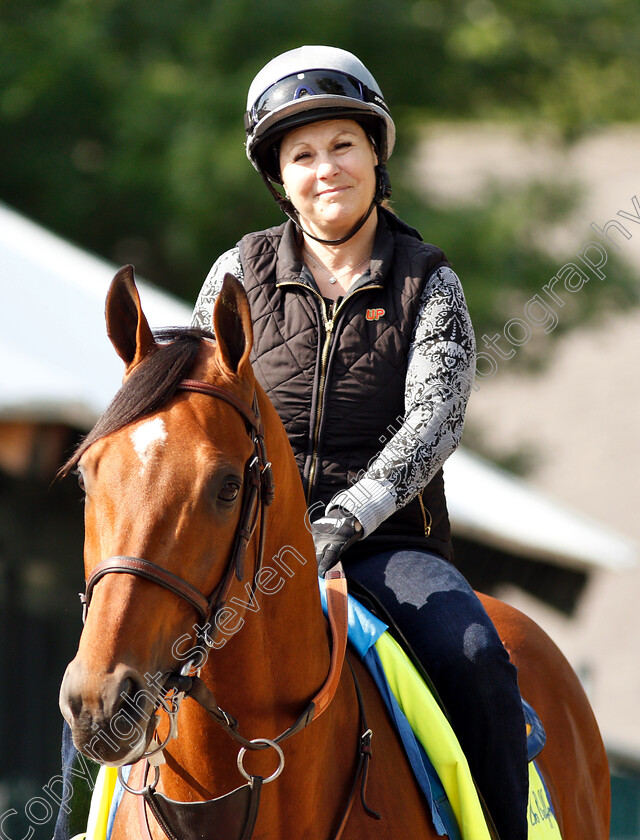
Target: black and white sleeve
x: 440, y: 372
x: 228, y: 263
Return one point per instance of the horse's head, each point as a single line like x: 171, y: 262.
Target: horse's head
x: 165, y: 474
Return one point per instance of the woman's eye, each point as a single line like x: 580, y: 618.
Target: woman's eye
x: 301, y: 156
x: 229, y: 491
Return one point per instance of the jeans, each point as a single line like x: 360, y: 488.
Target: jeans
x: 72, y: 816
x: 454, y: 639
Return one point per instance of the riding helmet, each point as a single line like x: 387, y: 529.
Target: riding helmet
x: 309, y: 84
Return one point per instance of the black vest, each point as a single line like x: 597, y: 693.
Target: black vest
x: 337, y: 376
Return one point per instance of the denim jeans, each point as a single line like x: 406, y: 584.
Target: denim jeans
x: 454, y: 639
x: 72, y: 816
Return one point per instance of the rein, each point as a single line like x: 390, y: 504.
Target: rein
x: 236, y: 811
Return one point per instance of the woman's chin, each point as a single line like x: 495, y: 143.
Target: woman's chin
x: 334, y: 222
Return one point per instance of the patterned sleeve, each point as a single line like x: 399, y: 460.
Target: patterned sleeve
x: 228, y: 263
x: 440, y: 371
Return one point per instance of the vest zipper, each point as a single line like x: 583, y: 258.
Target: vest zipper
x: 425, y: 513
x: 329, y: 323
x: 328, y: 326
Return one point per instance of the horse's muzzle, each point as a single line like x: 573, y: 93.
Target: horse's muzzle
x: 112, y: 716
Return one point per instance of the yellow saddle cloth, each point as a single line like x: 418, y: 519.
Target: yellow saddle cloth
x: 441, y: 745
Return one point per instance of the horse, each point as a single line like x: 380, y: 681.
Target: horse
x: 202, y: 599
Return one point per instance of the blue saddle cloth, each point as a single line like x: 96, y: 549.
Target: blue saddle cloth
x: 364, y: 630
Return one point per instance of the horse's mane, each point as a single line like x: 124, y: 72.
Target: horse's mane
x: 151, y: 384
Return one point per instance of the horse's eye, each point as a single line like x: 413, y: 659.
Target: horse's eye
x: 229, y: 491
x: 80, y: 477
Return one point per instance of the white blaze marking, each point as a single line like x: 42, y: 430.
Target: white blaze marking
x: 147, y: 439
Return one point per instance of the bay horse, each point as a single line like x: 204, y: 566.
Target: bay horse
x: 177, y: 487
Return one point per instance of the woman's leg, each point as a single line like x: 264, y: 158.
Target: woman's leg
x: 79, y: 774
x: 452, y: 635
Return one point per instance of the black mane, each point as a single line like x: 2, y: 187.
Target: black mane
x: 151, y: 384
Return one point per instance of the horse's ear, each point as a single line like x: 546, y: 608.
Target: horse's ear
x: 232, y: 325
x: 127, y: 326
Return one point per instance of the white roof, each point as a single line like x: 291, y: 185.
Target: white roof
x: 489, y: 505
x: 56, y: 362
x: 57, y: 365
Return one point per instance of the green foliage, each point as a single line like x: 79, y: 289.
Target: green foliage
x: 121, y: 122
x: 498, y: 251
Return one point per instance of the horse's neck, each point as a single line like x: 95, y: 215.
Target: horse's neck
x: 283, y: 623
x: 273, y: 652
x: 280, y: 642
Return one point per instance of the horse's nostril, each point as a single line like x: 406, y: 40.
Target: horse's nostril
x: 71, y: 694
x: 75, y: 705
x: 126, y: 690
x: 126, y: 694
x: 131, y: 700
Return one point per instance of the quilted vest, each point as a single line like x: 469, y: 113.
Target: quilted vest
x: 336, y: 372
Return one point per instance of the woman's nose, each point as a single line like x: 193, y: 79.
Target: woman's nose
x: 327, y: 167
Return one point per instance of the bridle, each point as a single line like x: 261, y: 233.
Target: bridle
x: 258, y: 493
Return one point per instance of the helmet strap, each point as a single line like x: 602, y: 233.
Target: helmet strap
x: 383, y: 191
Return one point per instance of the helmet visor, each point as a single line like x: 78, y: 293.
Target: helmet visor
x: 309, y: 83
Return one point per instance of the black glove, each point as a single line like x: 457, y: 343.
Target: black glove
x: 332, y: 535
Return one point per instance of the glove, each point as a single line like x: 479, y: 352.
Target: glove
x: 332, y: 535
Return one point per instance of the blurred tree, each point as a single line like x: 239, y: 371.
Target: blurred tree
x: 121, y: 123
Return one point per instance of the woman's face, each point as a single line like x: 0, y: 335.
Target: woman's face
x: 328, y: 172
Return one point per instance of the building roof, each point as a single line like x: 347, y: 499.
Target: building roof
x: 56, y: 362
x: 57, y: 366
x: 490, y: 505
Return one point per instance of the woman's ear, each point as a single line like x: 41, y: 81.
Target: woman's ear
x: 383, y: 183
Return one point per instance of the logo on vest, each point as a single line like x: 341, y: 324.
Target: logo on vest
x: 374, y: 314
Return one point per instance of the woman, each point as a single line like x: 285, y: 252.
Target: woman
x: 364, y: 344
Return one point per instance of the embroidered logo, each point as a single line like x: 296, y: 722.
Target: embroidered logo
x: 374, y: 314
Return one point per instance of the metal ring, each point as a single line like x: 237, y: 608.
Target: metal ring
x: 268, y: 743
x: 172, y: 713
x: 159, y: 747
x: 143, y: 790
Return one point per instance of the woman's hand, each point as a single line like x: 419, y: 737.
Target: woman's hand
x: 333, y: 534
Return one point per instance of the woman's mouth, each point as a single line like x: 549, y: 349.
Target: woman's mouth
x: 332, y: 191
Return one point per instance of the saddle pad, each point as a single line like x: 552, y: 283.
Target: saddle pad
x: 542, y: 820
x: 431, y: 728
x: 101, y: 801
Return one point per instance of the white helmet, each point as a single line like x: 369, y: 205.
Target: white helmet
x: 308, y: 84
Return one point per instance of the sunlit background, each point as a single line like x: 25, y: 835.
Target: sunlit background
x: 121, y: 132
